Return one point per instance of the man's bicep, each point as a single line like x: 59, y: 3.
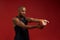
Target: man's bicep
x: 16, y: 21
x: 30, y: 19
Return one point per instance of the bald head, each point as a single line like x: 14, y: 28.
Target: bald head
x: 22, y: 10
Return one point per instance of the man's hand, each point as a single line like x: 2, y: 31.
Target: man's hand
x: 42, y: 23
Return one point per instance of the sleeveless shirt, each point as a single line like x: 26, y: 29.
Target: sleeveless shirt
x: 21, y: 33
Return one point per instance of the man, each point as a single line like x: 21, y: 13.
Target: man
x: 21, y: 24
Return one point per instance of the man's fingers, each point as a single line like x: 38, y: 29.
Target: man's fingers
x: 46, y: 21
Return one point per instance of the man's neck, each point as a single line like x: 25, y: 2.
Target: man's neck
x: 21, y: 16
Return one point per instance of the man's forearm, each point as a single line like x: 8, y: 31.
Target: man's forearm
x: 36, y: 20
x: 30, y: 26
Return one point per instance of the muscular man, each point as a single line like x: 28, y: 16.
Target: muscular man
x: 21, y: 24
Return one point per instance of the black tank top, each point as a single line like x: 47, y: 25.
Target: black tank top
x: 21, y: 33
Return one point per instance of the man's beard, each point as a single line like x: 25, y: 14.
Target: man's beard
x: 21, y: 16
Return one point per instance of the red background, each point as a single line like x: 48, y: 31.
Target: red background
x: 47, y: 9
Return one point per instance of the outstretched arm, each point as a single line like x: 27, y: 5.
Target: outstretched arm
x: 41, y: 21
x: 16, y: 21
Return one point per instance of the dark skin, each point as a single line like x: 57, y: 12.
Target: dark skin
x: 22, y: 11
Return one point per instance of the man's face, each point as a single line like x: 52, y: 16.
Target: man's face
x: 22, y: 11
